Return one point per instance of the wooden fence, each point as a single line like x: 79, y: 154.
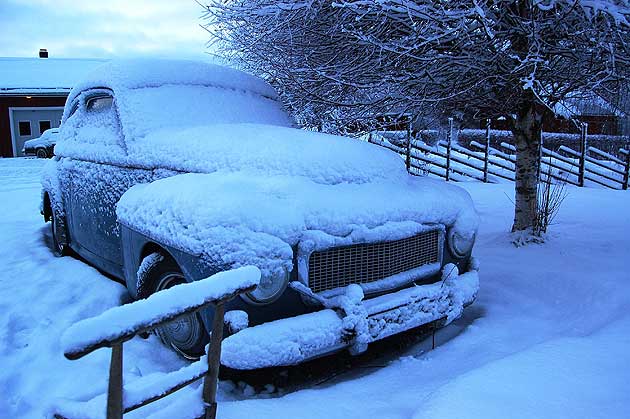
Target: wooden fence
x: 120, y: 324
x: 488, y: 164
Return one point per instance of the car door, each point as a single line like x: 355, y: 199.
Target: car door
x: 98, y: 177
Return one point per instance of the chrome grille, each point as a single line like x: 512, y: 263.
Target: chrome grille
x: 369, y: 262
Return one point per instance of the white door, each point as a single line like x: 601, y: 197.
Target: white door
x: 29, y: 123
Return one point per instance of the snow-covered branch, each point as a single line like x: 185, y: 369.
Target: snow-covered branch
x: 353, y: 60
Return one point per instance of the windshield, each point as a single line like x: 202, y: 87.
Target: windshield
x: 183, y: 106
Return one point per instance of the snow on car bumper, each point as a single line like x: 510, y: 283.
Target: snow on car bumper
x: 294, y: 340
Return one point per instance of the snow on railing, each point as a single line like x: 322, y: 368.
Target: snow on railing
x: 446, y: 159
x: 591, y: 166
x: 119, y: 324
x: 605, y: 155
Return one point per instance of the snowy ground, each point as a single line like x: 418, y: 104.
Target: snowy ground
x: 549, y: 335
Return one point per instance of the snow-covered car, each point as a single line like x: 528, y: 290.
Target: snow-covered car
x: 43, y: 146
x: 171, y: 171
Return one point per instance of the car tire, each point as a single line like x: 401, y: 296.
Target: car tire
x: 187, y: 335
x: 58, y: 230
x: 41, y: 153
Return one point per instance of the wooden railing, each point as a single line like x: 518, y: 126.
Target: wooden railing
x: 489, y: 164
x: 117, y: 325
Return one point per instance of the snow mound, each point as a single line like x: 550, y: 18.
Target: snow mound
x: 293, y: 340
x: 525, y: 385
x: 135, y: 392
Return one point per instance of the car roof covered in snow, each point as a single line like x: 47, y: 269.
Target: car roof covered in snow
x: 48, y: 137
x: 154, y: 94
x: 138, y: 73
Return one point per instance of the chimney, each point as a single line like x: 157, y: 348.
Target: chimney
x: 43, y: 53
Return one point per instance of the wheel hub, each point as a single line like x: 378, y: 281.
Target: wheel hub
x: 182, y: 333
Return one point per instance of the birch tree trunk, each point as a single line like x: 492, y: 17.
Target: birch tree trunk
x: 527, y: 131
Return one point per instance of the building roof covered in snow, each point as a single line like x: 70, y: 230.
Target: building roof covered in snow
x: 587, y: 105
x: 43, y: 76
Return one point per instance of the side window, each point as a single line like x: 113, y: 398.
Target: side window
x: 99, y: 103
x: 92, y: 130
x: 97, y: 121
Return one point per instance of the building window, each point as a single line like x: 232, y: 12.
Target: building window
x: 25, y: 128
x: 43, y: 126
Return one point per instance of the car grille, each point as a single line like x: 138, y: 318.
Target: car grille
x: 369, y: 262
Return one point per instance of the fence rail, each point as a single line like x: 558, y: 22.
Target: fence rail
x: 120, y: 324
x: 488, y: 164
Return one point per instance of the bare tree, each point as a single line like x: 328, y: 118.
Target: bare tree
x: 346, y: 62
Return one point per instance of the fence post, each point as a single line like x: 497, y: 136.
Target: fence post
x: 448, y: 149
x: 584, y: 128
x: 486, y: 156
x: 115, y: 386
x: 214, y: 361
x: 540, y: 156
x: 408, y: 157
x: 626, y: 175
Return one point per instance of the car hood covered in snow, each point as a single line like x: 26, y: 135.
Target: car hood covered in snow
x: 39, y: 142
x: 257, y: 191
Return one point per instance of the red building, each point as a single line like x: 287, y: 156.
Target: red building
x: 33, y: 92
x: 602, y: 118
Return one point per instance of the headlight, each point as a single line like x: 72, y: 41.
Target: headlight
x: 460, y: 245
x: 270, y: 288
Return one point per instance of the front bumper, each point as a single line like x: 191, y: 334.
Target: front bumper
x: 352, y: 323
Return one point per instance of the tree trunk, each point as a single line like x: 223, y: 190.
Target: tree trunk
x: 527, y: 131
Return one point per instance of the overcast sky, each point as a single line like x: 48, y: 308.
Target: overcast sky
x: 102, y: 28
